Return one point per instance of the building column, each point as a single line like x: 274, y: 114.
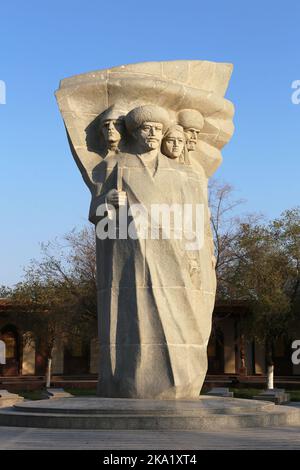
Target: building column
x: 249, y: 357
x: 94, y: 356
x: 228, y: 328
x: 58, y: 358
x: 28, y: 357
x: 260, y: 358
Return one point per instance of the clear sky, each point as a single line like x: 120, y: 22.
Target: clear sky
x: 41, y: 191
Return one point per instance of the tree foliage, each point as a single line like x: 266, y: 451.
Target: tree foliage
x: 258, y: 265
x: 57, y: 298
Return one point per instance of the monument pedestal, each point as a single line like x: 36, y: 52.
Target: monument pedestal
x: 205, y: 413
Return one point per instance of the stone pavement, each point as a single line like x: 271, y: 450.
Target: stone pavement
x: 52, y: 439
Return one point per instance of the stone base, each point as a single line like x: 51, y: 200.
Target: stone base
x: 220, y: 392
x: 276, y: 395
x: 9, y: 399
x: 55, y: 393
x: 205, y: 413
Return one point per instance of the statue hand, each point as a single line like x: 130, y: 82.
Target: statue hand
x: 116, y: 198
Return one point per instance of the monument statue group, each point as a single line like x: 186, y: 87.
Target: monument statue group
x: 147, y: 137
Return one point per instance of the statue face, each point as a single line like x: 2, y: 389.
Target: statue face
x: 173, y: 144
x: 149, y: 135
x: 191, y: 136
x: 112, y: 131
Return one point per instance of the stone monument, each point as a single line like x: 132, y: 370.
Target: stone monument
x: 146, y: 138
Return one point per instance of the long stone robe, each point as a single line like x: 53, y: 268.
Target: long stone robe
x: 154, y: 317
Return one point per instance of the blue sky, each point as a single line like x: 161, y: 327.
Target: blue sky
x: 41, y: 191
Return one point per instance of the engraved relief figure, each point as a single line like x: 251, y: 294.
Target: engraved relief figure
x: 174, y: 147
x: 150, y: 317
x: 173, y: 144
x: 147, y: 125
x: 192, y: 122
x: 111, y: 127
x: 112, y: 131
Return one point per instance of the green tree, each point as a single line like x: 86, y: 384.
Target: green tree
x: 57, y: 298
x: 287, y: 230
x: 226, y: 223
x: 257, y: 264
x: 261, y: 277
